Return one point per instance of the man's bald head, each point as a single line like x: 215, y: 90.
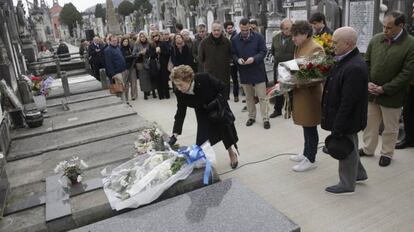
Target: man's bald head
x: 285, y: 26
x: 344, y: 40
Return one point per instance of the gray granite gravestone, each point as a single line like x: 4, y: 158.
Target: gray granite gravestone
x: 224, y: 206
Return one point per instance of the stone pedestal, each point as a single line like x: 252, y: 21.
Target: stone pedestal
x: 112, y: 21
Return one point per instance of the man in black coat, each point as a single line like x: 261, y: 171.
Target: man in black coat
x: 63, y: 51
x: 408, y: 110
x: 318, y: 22
x: 96, y: 57
x: 344, y: 105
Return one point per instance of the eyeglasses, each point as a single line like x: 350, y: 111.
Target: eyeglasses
x: 154, y: 36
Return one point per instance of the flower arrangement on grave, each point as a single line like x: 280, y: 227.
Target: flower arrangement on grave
x: 144, y: 178
x: 160, y: 166
x: 72, y: 169
x: 149, y: 139
x: 41, y: 86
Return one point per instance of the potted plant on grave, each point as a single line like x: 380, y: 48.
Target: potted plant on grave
x: 72, y: 169
x: 40, y: 89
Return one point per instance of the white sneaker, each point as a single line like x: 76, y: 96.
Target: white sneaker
x: 304, y: 165
x: 297, y: 158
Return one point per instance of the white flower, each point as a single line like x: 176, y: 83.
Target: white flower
x: 164, y: 171
x: 79, y: 179
x: 155, y: 160
x: 123, y: 182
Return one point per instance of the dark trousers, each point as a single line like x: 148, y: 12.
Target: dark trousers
x: 235, y: 79
x: 280, y: 102
x: 408, y: 115
x: 311, y: 142
x: 163, y: 87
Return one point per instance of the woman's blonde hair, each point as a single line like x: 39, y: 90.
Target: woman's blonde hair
x: 183, y: 73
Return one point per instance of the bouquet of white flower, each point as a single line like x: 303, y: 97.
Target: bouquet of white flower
x: 72, y: 169
x: 149, y: 140
x: 144, y: 178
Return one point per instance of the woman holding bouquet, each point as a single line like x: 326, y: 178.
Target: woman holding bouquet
x: 205, y: 94
x: 306, y: 98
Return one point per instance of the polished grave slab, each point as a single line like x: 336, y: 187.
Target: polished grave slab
x: 224, y: 206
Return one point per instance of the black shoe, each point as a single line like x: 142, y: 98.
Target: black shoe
x: 337, y: 190
x: 266, y: 125
x: 384, y: 161
x: 362, y: 153
x: 235, y: 163
x: 404, y: 144
x: 362, y: 179
x: 250, y: 122
x: 275, y: 114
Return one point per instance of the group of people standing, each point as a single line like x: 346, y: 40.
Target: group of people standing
x: 359, y: 93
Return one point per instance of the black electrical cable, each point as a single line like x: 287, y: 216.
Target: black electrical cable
x: 260, y: 161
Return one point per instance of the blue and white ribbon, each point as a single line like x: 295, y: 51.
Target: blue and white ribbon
x: 194, y: 153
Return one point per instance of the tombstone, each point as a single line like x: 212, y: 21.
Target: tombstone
x: 361, y: 17
x: 332, y: 13
x: 100, y: 27
x: 296, y: 10
x: 210, y: 20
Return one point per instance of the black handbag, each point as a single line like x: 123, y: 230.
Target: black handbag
x: 219, y: 111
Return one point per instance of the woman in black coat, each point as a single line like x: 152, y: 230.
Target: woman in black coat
x: 180, y: 52
x: 197, y: 91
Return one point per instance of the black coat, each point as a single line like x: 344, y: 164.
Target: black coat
x: 63, y: 49
x: 206, y: 89
x: 96, y: 59
x: 185, y: 57
x: 345, y: 96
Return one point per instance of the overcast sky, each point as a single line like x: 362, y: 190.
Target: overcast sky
x: 81, y: 5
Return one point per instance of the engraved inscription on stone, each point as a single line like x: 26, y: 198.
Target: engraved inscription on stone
x: 361, y: 18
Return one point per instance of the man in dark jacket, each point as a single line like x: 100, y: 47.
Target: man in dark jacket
x: 408, y: 110
x: 390, y: 58
x: 318, y: 22
x: 63, y: 51
x: 230, y: 32
x: 115, y: 61
x: 282, y: 50
x: 215, y: 56
x: 96, y: 57
x: 249, y: 50
x: 344, y: 105
x: 201, y: 34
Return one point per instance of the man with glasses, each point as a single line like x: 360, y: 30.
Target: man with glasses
x: 390, y: 58
x: 249, y: 50
x: 282, y: 50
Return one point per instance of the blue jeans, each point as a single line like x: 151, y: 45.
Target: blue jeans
x: 311, y: 142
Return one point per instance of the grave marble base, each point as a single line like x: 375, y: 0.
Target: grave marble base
x: 224, y: 206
